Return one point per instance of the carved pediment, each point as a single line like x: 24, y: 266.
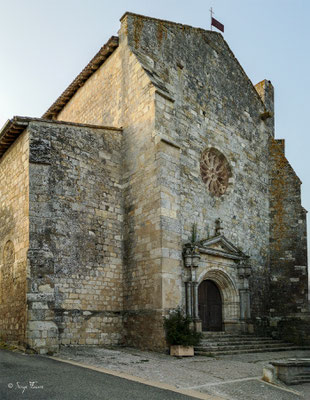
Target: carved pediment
x: 220, y: 246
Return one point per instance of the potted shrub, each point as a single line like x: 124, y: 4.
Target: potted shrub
x: 180, y: 335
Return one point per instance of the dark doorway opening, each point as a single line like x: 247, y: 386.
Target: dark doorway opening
x: 210, y: 306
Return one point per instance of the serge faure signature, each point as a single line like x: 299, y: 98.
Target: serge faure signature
x: 30, y: 385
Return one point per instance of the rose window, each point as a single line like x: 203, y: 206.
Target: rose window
x: 215, y: 171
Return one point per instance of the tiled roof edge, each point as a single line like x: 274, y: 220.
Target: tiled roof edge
x: 14, y: 127
x: 10, y: 131
x: 95, y: 63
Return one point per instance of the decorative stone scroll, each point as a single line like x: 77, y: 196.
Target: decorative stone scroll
x: 215, y: 171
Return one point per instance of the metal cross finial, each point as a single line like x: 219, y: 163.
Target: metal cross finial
x: 211, y: 12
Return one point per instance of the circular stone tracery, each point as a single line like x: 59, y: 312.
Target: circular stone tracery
x: 215, y: 171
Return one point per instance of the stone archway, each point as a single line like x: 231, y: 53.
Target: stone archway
x: 229, y: 296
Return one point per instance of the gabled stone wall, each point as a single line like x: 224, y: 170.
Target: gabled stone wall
x: 204, y: 100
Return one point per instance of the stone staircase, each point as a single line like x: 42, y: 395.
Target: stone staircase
x: 221, y: 343
x: 301, y: 378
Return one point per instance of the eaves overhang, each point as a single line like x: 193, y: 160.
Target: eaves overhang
x: 10, y: 132
x: 14, y: 127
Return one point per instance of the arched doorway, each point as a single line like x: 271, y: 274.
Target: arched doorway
x: 210, y: 306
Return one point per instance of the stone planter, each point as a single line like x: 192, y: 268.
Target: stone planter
x: 182, y: 351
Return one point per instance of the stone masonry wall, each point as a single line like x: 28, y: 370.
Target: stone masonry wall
x: 205, y: 100
x: 177, y: 91
x: 75, y: 292
x: 120, y: 93
x: 14, y: 239
x: 288, y: 239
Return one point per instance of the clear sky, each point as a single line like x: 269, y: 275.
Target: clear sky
x: 45, y: 44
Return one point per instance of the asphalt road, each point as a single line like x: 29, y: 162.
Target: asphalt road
x: 33, y: 377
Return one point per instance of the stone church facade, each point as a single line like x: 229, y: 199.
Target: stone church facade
x: 154, y: 181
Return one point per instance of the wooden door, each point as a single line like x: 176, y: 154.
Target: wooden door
x: 210, y: 306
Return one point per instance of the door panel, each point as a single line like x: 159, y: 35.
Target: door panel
x: 210, y: 306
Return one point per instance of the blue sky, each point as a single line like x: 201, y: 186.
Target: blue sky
x: 45, y: 44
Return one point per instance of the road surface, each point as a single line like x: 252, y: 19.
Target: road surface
x: 33, y: 377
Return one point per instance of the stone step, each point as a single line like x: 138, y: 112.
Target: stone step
x: 206, y: 335
x: 246, y: 345
x: 236, y: 342
x: 210, y: 333
x: 232, y: 336
x: 304, y: 376
x: 300, y: 379
x: 205, y: 352
x: 254, y: 343
x: 241, y: 340
x: 243, y: 346
x: 221, y: 333
x: 232, y: 340
x: 221, y: 343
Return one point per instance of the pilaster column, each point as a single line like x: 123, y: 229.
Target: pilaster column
x: 188, y: 291
x: 195, y: 305
x: 245, y: 307
x: 244, y: 272
x: 191, y: 260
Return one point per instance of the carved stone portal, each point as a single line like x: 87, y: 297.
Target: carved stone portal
x: 215, y: 171
x: 217, y: 262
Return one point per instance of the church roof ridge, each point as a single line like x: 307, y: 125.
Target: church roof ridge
x: 168, y: 22
x: 95, y: 63
x: 209, y: 32
x: 108, y: 48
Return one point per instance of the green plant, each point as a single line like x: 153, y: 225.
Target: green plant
x: 179, y: 331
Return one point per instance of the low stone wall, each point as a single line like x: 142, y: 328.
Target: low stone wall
x: 77, y: 327
x: 293, y: 371
x: 294, y: 329
x: 145, y: 330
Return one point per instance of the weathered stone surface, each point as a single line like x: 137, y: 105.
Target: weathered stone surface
x: 14, y: 242
x: 214, y: 105
x: 75, y: 252
x: 288, y: 241
x: 110, y: 211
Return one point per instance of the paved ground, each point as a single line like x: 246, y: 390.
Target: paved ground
x: 126, y: 373
x: 235, y: 377
x: 33, y: 377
